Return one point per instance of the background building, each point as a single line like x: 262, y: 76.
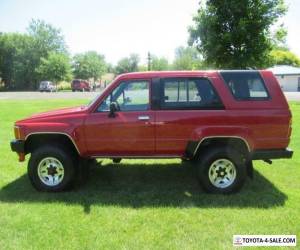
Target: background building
x: 288, y: 77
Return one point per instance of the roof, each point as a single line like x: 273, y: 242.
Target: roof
x: 153, y: 74
x: 285, y: 70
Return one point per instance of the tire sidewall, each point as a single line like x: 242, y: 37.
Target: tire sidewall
x: 65, y: 159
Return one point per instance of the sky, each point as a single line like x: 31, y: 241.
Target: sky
x: 116, y: 28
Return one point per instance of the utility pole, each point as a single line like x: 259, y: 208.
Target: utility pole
x: 149, y: 61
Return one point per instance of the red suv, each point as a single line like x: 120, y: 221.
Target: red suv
x: 80, y: 85
x: 218, y: 120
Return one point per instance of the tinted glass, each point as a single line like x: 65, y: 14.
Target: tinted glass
x: 191, y: 93
x: 245, y: 85
x: 129, y: 96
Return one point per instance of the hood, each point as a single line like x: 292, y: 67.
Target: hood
x: 54, y: 113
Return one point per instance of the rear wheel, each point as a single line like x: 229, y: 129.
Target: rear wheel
x: 51, y: 169
x: 221, y: 170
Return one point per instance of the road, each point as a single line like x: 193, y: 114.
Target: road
x: 291, y: 96
x: 54, y: 95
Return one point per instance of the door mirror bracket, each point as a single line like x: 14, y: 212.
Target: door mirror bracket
x: 113, y: 107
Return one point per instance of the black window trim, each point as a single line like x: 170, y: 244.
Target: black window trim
x: 148, y: 80
x: 159, y: 106
x: 267, y: 98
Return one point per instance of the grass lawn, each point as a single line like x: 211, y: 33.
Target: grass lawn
x: 141, y: 204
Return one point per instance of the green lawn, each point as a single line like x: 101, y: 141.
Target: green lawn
x: 153, y: 204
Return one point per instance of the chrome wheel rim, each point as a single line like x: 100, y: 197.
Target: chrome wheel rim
x: 50, y: 171
x: 222, y: 173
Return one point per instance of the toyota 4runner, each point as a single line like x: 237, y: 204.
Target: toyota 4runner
x: 219, y: 120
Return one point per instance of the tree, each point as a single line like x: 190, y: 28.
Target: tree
x: 284, y: 57
x: 21, y: 54
x: 235, y: 33
x: 279, y: 38
x: 159, y: 63
x: 128, y: 64
x: 15, y: 60
x: 280, y: 54
x: 46, y: 40
x: 56, y: 67
x: 187, y: 58
x: 89, y: 65
x: 46, y: 37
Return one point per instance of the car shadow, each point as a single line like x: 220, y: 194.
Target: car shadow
x: 151, y: 185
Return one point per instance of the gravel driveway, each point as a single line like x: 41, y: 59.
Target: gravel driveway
x: 291, y: 96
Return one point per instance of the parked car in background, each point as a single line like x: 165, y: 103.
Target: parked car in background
x: 47, y: 86
x: 80, y: 85
x: 220, y: 121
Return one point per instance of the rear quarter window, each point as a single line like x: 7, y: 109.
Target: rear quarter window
x: 245, y: 86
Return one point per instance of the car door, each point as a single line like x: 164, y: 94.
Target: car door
x: 130, y: 132
x: 186, y: 104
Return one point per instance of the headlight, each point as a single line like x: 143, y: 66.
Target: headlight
x: 17, y: 131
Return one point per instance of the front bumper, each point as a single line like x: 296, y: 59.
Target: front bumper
x: 18, y: 146
x: 271, y: 154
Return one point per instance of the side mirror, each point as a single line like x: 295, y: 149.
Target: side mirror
x: 113, y: 108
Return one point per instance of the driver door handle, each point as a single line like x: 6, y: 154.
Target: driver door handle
x: 144, y: 118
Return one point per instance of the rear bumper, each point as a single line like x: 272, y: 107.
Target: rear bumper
x: 18, y: 146
x: 271, y: 154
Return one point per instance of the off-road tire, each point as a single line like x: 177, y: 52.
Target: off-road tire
x: 208, y: 159
x: 63, y: 156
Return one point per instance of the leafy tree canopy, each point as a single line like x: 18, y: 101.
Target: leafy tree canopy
x: 128, y: 64
x: 46, y: 37
x: 56, y: 67
x: 21, y: 54
x: 15, y: 60
x: 159, y: 63
x: 89, y: 65
x: 187, y: 58
x: 235, y: 33
x: 284, y: 57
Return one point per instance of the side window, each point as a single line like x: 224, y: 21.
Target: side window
x: 245, y: 86
x: 129, y: 96
x: 175, y: 91
x: 189, y: 93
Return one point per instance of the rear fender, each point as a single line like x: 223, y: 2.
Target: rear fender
x: 201, y: 134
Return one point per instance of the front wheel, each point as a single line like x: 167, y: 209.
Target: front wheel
x: 51, y: 169
x: 221, y: 170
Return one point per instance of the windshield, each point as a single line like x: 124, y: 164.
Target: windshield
x: 43, y: 84
x: 94, y: 100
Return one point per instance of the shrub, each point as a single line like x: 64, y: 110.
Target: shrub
x: 63, y: 86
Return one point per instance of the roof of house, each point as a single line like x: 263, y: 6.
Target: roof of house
x: 284, y: 70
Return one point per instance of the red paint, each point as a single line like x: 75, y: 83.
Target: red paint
x: 263, y: 124
x: 80, y: 85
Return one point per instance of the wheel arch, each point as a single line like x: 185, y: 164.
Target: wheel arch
x: 33, y: 140
x: 195, y: 147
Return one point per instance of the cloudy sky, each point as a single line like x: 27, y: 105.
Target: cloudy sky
x: 117, y: 28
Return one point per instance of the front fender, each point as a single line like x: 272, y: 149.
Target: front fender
x: 74, y: 133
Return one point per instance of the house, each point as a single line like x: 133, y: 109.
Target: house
x: 287, y: 76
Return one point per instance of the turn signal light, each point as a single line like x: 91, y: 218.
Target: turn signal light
x: 17, y: 132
